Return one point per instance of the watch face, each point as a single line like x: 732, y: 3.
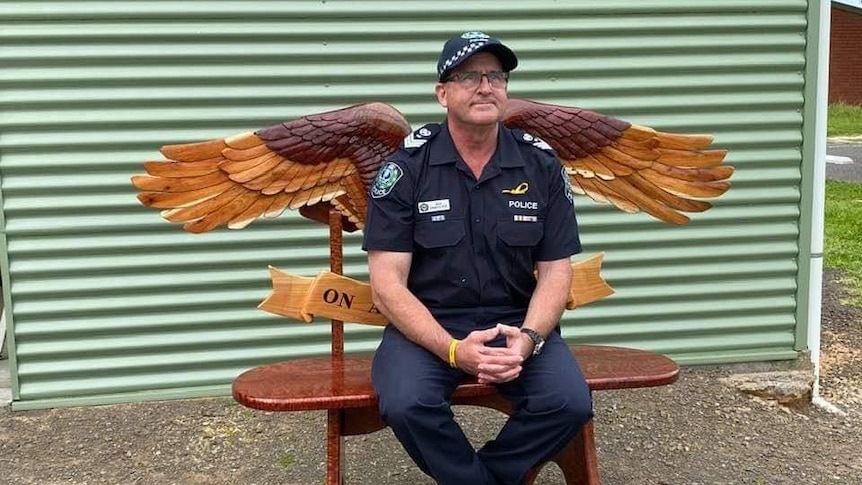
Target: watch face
x: 538, y: 348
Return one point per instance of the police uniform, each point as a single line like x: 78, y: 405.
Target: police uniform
x: 474, y: 244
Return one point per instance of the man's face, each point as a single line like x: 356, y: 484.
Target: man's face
x: 477, y: 105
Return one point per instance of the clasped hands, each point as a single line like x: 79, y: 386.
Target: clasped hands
x: 494, y: 365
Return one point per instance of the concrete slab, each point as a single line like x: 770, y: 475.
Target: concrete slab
x: 2, y: 333
x: 5, y: 384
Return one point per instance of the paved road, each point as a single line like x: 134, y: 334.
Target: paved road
x: 844, y: 160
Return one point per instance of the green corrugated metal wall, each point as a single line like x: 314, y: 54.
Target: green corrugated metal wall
x: 111, y: 303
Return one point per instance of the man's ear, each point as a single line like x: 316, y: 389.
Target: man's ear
x: 440, y: 91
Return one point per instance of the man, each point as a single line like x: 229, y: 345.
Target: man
x: 458, y: 220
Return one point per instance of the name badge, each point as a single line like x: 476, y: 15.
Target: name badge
x: 433, y: 206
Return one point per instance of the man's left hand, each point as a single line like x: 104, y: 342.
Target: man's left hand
x: 517, y: 340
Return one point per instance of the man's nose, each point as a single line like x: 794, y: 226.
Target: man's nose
x: 484, y: 83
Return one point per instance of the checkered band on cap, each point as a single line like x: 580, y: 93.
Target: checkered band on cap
x: 462, y: 53
x: 457, y: 49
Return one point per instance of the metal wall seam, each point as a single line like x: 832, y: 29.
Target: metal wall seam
x: 107, y: 302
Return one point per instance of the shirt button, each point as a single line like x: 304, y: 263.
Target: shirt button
x: 463, y: 280
x: 475, y: 187
x: 477, y: 220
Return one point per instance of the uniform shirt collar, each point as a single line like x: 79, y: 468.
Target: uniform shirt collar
x: 445, y: 151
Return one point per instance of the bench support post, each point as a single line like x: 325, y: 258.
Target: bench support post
x: 336, y: 258
x: 334, y: 447
x: 335, y: 417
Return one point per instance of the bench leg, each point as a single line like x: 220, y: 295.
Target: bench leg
x: 334, y: 446
x: 578, y: 459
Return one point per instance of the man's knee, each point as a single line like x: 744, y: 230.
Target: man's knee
x: 578, y: 409
x: 398, y: 409
x: 567, y: 406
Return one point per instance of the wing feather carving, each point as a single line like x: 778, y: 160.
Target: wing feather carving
x: 630, y: 166
x: 326, y: 159
x: 329, y: 160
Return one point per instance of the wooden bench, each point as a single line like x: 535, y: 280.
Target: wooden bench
x: 341, y: 385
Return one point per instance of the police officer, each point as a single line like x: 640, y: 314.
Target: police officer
x: 458, y: 220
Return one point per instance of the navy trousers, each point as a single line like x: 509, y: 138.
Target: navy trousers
x: 550, y: 400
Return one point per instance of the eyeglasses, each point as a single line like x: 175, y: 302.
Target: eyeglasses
x: 472, y: 79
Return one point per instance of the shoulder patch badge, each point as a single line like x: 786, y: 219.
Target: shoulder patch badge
x: 535, y: 141
x: 421, y: 136
x: 386, y: 179
x: 539, y: 143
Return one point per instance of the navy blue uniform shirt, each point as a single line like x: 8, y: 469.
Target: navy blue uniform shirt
x: 474, y: 243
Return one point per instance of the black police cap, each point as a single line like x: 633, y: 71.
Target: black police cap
x: 458, y: 49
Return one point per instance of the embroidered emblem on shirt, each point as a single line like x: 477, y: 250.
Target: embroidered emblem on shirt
x: 386, y: 179
x: 421, y: 136
x: 522, y: 218
x: 535, y: 141
x: 411, y: 141
x: 523, y: 204
x: 438, y: 218
x: 542, y: 145
x: 521, y: 189
x: 433, y: 206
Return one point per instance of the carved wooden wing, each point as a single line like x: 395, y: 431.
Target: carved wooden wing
x: 632, y: 167
x: 312, y: 164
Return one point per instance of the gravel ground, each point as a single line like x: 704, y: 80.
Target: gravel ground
x: 697, y: 431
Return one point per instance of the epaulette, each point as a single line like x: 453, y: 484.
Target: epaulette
x: 415, y: 140
x: 533, y: 140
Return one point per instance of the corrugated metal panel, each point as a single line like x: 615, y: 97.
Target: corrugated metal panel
x: 111, y: 303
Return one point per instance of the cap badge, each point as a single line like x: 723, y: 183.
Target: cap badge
x: 474, y: 35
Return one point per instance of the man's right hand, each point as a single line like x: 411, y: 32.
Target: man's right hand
x: 492, y: 365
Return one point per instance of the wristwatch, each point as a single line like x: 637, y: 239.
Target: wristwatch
x: 538, y: 341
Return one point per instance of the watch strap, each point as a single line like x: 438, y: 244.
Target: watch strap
x: 538, y: 340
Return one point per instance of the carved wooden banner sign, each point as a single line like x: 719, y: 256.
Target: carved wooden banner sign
x: 326, y: 295
x: 330, y: 295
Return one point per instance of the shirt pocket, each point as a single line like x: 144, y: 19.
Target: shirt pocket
x: 440, y: 261
x: 517, y: 244
x: 439, y: 235
x: 521, y: 234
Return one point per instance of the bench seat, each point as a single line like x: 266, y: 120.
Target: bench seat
x: 342, y: 386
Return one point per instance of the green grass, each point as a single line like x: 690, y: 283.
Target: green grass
x: 843, y: 232
x: 844, y: 120
x: 286, y: 460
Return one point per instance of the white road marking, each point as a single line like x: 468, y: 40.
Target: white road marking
x: 838, y: 160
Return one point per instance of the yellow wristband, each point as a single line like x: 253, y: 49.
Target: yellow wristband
x: 452, y: 346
